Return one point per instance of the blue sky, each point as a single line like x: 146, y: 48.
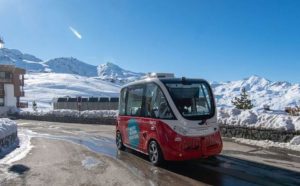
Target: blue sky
x: 216, y: 40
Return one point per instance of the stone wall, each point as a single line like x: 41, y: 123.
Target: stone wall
x: 66, y: 119
x: 257, y: 133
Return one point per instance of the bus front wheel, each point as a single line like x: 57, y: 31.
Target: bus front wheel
x: 155, y: 153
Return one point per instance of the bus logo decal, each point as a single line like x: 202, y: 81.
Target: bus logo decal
x: 133, y: 133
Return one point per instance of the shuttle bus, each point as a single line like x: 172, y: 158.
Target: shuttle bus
x: 168, y: 118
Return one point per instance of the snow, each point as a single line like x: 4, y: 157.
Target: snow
x: 258, y: 118
x: 277, y: 95
x: 44, y: 87
x: 7, y: 127
x: 17, y: 154
x: 294, y: 144
x: 67, y: 65
x: 26, y: 61
x: 90, y: 162
x: 71, y: 66
x: 74, y: 113
x: 112, y: 72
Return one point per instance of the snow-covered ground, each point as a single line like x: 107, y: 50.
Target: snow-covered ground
x: 258, y: 118
x: 294, y: 144
x: 44, y: 87
x: 74, y: 113
x: 13, y: 154
x: 7, y: 127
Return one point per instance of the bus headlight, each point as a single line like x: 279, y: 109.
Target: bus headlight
x: 180, y: 130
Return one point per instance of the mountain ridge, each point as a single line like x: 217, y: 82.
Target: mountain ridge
x: 68, y: 65
x: 276, y: 94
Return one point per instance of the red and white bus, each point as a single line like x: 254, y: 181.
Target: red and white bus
x: 168, y: 118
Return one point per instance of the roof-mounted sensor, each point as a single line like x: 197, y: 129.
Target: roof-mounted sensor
x: 160, y: 75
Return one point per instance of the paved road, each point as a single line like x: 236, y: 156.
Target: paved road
x: 80, y: 154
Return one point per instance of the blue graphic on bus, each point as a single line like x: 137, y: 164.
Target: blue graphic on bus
x: 133, y: 133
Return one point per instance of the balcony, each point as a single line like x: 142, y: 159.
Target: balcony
x: 5, y: 80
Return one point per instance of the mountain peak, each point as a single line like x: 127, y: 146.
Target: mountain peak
x: 255, y: 79
x: 71, y: 65
x: 17, y: 58
x: 112, y: 72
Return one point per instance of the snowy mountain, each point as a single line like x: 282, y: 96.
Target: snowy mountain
x: 26, y: 61
x: 70, y: 76
x: 114, y: 73
x: 278, y: 95
x: 71, y: 66
x: 108, y: 71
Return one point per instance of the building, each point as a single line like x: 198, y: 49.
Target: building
x: 92, y: 103
x: 11, y: 85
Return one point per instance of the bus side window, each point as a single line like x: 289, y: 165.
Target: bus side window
x: 156, y: 105
x: 164, y: 111
x: 150, y: 94
x: 134, y: 101
x: 122, y: 102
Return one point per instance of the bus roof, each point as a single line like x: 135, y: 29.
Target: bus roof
x: 165, y: 80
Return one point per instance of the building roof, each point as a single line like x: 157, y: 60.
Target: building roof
x: 12, y: 68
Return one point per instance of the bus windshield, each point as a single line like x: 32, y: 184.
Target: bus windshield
x: 193, y: 99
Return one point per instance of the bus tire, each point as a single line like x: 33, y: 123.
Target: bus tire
x: 119, y: 141
x: 155, y: 153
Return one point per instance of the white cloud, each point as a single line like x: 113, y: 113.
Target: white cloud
x: 75, y: 32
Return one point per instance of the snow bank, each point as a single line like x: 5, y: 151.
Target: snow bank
x: 73, y: 113
x: 294, y: 144
x: 7, y: 127
x: 258, y: 119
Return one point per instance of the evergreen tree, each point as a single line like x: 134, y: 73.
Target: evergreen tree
x: 34, y: 106
x: 242, y: 102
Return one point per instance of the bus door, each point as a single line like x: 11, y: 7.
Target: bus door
x: 134, y: 101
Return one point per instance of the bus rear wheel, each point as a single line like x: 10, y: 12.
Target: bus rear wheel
x: 155, y: 153
x: 119, y: 141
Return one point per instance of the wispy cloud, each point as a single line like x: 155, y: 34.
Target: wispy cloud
x: 75, y: 32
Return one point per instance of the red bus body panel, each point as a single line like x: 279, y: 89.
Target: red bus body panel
x: 137, y: 132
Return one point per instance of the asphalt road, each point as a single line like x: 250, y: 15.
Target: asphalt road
x: 81, y: 154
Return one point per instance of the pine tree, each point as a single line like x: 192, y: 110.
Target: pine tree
x: 242, y: 102
x: 34, y: 106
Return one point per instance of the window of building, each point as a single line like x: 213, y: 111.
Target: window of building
x: 134, y: 101
x: 8, y: 75
x: 5, y: 75
x: 2, y: 75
